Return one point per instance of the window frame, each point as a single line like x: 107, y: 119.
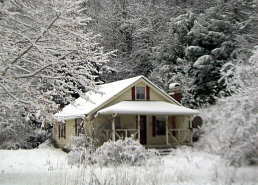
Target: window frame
x: 160, y: 126
x: 62, y: 130
x: 79, y: 129
x: 136, y: 87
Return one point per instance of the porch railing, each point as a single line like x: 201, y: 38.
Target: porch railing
x: 175, y: 136
x: 179, y: 136
x: 124, y: 133
x: 121, y: 133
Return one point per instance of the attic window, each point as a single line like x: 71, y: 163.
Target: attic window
x: 140, y: 93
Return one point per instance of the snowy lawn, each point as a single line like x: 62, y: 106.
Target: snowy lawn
x: 183, y: 167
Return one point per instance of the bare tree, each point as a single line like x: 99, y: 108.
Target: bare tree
x: 44, y: 54
x: 44, y: 51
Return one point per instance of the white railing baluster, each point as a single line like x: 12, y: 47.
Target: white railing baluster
x: 123, y: 133
x: 176, y: 136
x: 182, y: 136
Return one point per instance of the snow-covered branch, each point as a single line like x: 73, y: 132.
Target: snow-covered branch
x: 45, y: 53
x: 32, y: 44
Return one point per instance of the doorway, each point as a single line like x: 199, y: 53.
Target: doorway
x: 143, y: 130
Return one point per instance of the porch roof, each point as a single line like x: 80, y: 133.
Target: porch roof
x: 147, y: 108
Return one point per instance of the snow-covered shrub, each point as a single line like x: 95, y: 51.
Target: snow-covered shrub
x: 82, y: 150
x: 203, y: 61
x: 231, y: 127
x: 194, y: 51
x: 18, y: 131
x: 127, y: 151
x: 37, y: 137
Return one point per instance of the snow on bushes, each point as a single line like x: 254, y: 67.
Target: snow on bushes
x: 18, y: 133
x: 231, y: 127
x: 128, y: 151
x: 82, y: 150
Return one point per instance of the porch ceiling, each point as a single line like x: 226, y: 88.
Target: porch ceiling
x: 147, y: 108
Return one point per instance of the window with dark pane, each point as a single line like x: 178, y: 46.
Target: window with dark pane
x: 160, y: 126
x: 140, y: 93
x: 79, y: 126
x: 62, y: 129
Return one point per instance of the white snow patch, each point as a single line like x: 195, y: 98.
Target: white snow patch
x: 27, y: 161
x: 184, y: 166
x: 147, y: 108
x: 93, y: 99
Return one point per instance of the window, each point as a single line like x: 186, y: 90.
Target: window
x: 140, y: 93
x: 160, y: 126
x: 79, y: 126
x: 61, y: 129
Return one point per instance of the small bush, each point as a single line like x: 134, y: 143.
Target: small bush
x: 82, y: 150
x: 126, y: 151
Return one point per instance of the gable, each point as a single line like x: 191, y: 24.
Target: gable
x: 153, y: 95
x: 126, y: 95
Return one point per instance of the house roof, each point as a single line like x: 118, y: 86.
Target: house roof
x: 95, y: 100
x: 147, y: 108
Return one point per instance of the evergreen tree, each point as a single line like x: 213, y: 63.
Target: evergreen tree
x: 200, y: 50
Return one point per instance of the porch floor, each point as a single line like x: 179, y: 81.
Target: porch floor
x: 164, y: 146
x: 163, y: 149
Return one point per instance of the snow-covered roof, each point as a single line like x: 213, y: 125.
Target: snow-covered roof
x: 147, y: 108
x: 94, y: 99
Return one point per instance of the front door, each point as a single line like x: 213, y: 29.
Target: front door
x: 143, y: 130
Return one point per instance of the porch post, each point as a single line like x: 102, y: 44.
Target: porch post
x: 191, y: 130
x: 113, y: 128
x: 167, y: 130
x: 139, y: 125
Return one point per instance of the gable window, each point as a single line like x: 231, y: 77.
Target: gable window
x: 140, y: 93
x: 160, y: 126
x: 79, y: 126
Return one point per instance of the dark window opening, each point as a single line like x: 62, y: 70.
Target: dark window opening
x: 79, y: 129
x: 160, y: 126
x: 62, y: 130
x: 140, y: 93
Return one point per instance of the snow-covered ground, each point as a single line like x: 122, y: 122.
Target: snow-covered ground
x: 183, y: 167
x: 30, y: 166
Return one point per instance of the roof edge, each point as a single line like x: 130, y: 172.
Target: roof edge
x: 117, y: 94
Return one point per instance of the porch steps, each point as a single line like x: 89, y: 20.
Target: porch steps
x: 164, y: 151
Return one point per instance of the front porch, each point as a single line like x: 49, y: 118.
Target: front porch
x: 152, y: 131
x: 153, y: 123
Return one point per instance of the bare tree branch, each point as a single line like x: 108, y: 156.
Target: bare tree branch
x: 44, y: 67
x: 12, y: 96
x: 31, y: 46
